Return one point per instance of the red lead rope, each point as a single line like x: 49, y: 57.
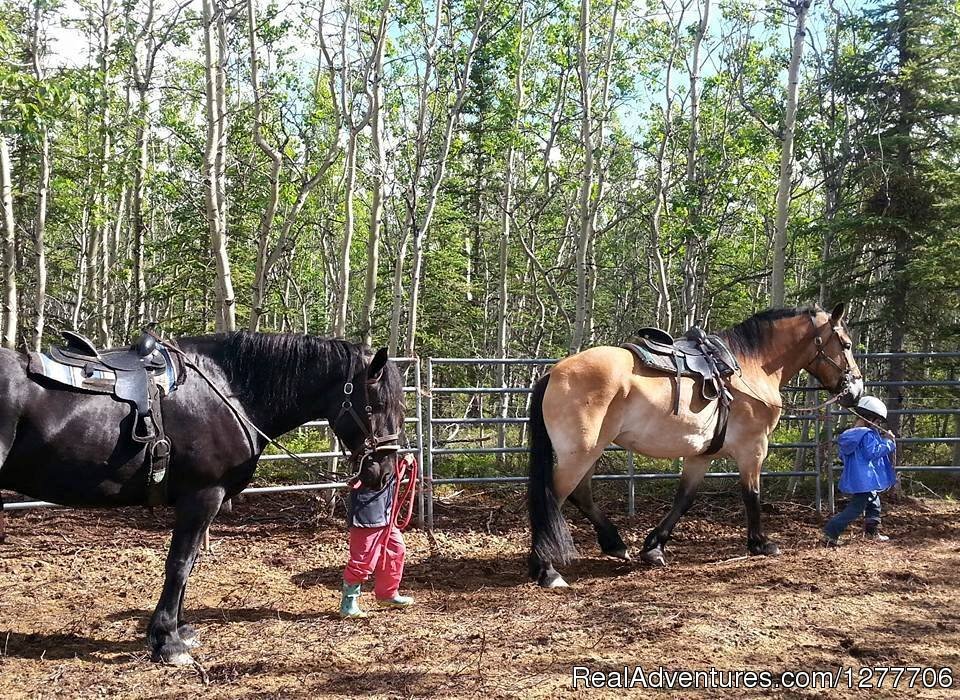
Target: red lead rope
x: 403, y: 499
x: 406, y: 468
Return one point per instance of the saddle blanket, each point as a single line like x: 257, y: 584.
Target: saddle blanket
x: 95, y: 380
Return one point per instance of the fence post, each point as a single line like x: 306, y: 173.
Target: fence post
x: 428, y: 439
x: 818, y: 498
x: 419, y: 409
x: 828, y: 458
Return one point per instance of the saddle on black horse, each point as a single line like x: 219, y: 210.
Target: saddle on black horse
x: 704, y: 357
x: 139, y: 375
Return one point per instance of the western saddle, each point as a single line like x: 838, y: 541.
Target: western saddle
x: 704, y: 357
x: 131, y: 375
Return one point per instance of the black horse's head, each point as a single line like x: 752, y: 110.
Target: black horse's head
x: 369, y: 421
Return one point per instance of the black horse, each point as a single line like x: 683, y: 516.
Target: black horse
x: 76, y: 449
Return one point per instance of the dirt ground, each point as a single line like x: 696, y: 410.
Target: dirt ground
x: 77, y: 587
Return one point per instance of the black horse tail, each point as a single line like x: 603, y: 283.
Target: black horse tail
x: 551, y: 540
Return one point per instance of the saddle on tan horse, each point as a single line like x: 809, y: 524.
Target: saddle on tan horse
x: 704, y: 357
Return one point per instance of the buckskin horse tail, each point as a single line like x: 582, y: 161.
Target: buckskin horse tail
x: 551, y: 540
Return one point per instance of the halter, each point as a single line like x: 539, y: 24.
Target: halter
x: 371, y: 443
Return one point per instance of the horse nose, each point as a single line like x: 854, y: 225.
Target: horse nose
x: 856, y: 388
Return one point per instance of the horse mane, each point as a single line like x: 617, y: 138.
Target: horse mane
x: 273, y: 367
x: 750, y: 336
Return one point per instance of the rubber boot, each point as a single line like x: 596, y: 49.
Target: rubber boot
x: 397, y: 601
x: 349, y: 602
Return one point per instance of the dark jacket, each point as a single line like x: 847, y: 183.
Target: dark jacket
x: 369, y: 508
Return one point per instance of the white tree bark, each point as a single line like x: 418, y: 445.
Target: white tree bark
x: 8, y: 319
x: 379, y: 170
x: 43, y: 187
x: 214, y: 160
x: 785, y: 184
x: 691, y: 245
x: 422, y: 223
x: 586, y: 179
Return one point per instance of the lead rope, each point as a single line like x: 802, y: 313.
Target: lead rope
x: 243, y: 419
x: 786, y: 404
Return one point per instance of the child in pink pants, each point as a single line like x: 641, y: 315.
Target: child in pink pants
x: 376, y: 548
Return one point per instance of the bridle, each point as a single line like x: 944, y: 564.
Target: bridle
x: 820, y: 356
x: 371, y: 443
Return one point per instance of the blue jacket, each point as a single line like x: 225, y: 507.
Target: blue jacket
x: 866, y: 461
x: 370, y: 508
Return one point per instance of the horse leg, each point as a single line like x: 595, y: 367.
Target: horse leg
x: 607, y: 536
x: 194, y: 513
x: 3, y: 522
x: 757, y: 542
x: 654, y: 545
x: 187, y: 632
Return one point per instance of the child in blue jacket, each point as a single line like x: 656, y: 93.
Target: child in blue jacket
x: 866, y: 451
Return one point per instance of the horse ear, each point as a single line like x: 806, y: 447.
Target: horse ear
x: 377, y: 364
x: 837, y: 315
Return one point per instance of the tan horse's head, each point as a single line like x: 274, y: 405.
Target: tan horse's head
x: 781, y: 342
x: 831, y: 360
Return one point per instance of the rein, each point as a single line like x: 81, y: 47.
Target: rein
x: 819, y: 356
x: 243, y: 419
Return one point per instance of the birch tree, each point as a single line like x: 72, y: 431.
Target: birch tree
x: 800, y: 8
x: 9, y: 317
x: 214, y: 159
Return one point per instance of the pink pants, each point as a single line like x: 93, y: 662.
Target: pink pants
x: 379, y: 551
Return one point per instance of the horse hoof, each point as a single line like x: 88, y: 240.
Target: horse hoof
x: 174, y: 657
x: 179, y: 659
x: 619, y: 554
x: 767, y: 549
x: 654, y: 557
x: 188, y: 635
x: 553, y: 580
x: 173, y: 653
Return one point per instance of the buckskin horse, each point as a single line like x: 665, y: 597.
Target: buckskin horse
x: 606, y: 395
x: 78, y: 449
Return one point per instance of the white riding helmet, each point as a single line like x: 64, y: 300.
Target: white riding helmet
x: 872, y: 407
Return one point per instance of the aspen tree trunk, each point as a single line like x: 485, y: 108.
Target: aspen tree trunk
x: 43, y: 187
x: 439, y: 172
x: 376, y: 205
x: 777, y: 293
x: 39, y: 229
x: 343, y: 286
x: 588, y: 333
x: 268, y: 253
x: 97, y: 274
x: 506, y: 219
x: 8, y: 320
x: 273, y: 179
x: 664, y: 310
x: 690, y: 255
x: 136, y: 214
x: 213, y: 161
x: 586, y: 179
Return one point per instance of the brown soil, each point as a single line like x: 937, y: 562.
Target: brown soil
x: 76, y: 589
